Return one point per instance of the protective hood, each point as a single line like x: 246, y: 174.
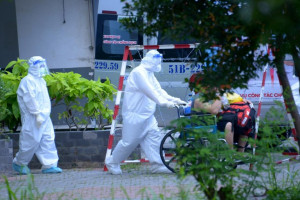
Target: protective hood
x: 152, y: 61
x: 37, y: 66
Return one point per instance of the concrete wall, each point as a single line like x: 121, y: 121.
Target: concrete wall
x: 76, y: 149
x: 59, y: 30
x: 6, y: 156
x: 8, y: 33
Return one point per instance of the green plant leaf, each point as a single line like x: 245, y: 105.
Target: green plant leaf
x: 10, y: 64
x: 16, y: 111
x: 90, y: 95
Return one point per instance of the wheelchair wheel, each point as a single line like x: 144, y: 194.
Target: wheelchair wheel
x: 168, y: 149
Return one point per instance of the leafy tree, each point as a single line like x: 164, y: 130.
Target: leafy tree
x: 238, y: 27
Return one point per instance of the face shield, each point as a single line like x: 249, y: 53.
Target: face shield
x: 42, y: 67
x: 157, y: 59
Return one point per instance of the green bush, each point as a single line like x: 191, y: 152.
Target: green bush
x: 67, y: 88
x: 213, y: 164
x: 3, y: 91
x: 10, y: 113
x: 64, y: 88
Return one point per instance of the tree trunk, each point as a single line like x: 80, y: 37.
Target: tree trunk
x: 296, y: 59
x: 287, y: 93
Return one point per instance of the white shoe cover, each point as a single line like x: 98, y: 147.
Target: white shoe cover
x: 160, y: 168
x: 113, y: 168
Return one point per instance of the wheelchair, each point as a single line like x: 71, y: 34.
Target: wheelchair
x: 168, y: 144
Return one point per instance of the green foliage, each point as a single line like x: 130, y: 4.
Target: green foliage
x: 29, y: 192
x: 276, y: 18
x: 67, y: 88
x: 222, y: 23
x: 213, y: 164
x: 272, y: 130
x: 268, y: 144
x: 234, y: 63
x: 64, y: 88
x: 10, y: 114
x: 287, y: 187
x: 209, y: 159
x: 3, y: 91
x: 208, y: 23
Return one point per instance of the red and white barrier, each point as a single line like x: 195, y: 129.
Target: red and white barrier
x: 164, y: 46
x: 117, y: 105
x: 260, y: 102
x: 269, y: 51
x: 259, y: 109
x: 287, y: 160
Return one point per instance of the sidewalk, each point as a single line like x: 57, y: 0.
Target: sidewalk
x: 136, y: 182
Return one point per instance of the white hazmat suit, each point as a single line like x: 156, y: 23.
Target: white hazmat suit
x: 37, y: 133
x: 142, y: 93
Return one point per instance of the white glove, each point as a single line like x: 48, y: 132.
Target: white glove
x: 179, y: 101
x: 39, y: 120
x: 168, y: 104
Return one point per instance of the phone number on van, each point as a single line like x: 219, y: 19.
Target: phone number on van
x: 106, y: 65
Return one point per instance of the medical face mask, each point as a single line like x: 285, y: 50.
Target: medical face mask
x: 43, y: 69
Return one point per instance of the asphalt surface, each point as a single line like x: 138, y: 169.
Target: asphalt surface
x: 136, y: 182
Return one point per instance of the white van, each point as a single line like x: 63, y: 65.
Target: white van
x: 177, y: 65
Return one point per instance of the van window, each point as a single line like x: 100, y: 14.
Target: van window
x: 177, y: 55
x: 112, y: 37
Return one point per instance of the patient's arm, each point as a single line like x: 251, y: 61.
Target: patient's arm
x: 212, y: 107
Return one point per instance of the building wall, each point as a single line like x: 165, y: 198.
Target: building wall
x: 8, y: 33
x: 59, y: 30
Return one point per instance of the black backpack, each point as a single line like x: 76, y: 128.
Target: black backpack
x: 244, y: 120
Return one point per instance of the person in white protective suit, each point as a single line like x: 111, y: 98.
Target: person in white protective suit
x: 142, y: 93
x: 37, y: 133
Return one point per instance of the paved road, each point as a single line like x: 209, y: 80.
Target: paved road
x: 136, y: 182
